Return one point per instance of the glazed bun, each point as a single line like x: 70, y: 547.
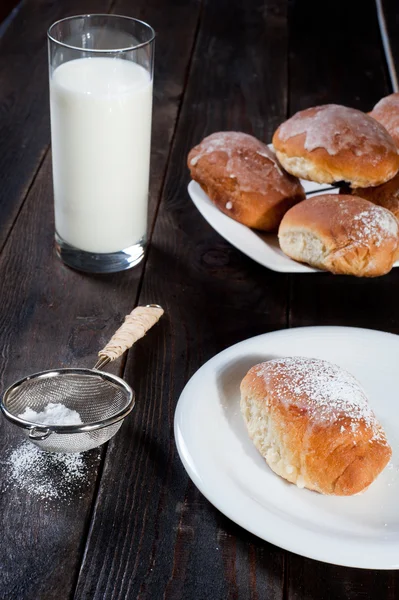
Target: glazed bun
x: 242, y: 176
x: 312, y: 423
x: 386, y: 112
x: 342, y: 234
x: 334, y: 143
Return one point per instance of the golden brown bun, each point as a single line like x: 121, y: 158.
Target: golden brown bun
x: 311, y: 421
x: 386, y: 112
x: 342, y: 234
x: 385, y: 195
x: 242, y: 177
x: 335, y: 143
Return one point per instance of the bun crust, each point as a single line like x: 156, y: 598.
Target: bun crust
x: 342, y: 234
x: 334, y: 143
x: 242, y: 176
x: 386, y: 112
x: 385, y: 195
x: 312, y: 423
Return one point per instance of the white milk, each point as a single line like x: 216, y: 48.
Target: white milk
x: 100, y: 131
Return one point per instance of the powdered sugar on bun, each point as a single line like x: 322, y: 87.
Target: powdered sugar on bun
x: 375, y: 223
x: 342, y: 234
x: 326, y: 392
x: 311, y: 421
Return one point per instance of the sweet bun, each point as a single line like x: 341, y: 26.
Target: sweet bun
x: 335, y: 143
x: 242, y: 176
x: 386, y: 112
x: 342, y: 234
x: 312, y: 423
x: 385, y: 195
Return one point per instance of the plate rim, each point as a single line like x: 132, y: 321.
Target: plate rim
x: 296, y: 268
x: 293, y: 547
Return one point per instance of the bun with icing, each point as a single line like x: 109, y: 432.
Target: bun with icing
x: 334, y: 143
x: 386, y: 112
x: 343, y: 234
x: 312, y: 423
x: 242, y: 176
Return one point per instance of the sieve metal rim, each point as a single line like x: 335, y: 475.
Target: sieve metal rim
x: 68, y: 429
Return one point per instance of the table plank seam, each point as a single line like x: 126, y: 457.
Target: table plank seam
x: 285, y: 587
x: 140, y: 284
x: 40, y: 153
x: 172, y: 143
x: 87, y: 528
x: 21, y: 206
x: 286, y: 581
x: 164, y: 178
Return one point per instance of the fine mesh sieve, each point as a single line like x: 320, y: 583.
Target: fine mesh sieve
x: 101, y: 399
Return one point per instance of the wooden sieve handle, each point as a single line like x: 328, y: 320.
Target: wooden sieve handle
x: 135, y: 326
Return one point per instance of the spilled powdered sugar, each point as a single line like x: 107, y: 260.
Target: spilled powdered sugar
x: 336, y: 128
x: 47, y: 475
x: 325, y: 391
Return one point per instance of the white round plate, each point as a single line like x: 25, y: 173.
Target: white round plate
x: 212, y: 440
x: 261, y: 247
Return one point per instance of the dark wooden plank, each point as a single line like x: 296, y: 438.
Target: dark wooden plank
x: 52, y: 316
x: 24, y: 108
x: 329, y: 61
x: 155, y: 536
x: 339, y: 62
x: 313, y: 580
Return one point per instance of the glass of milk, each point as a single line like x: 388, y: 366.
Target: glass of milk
x: 101, y: 72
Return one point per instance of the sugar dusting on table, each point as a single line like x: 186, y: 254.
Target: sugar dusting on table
x: 47, y: 475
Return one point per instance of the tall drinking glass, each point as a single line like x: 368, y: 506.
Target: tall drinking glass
x: 101, y: 72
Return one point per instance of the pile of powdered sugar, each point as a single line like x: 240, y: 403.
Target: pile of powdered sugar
x: 52, y: 414
x: 46, y: 475
x: 327, y: 392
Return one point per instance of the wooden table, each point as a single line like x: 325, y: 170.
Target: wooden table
x: 140, y: 529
